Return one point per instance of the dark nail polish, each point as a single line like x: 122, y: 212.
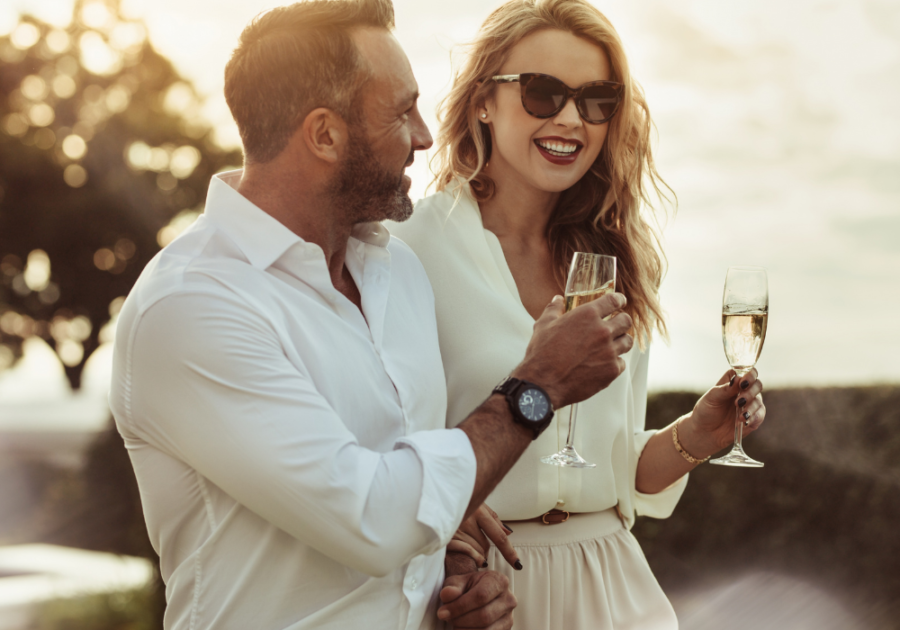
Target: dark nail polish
x: 510, y: 529
x: 731, y: 382
x: 484, y: 566
x: 518, y: 565
x: 746, y: 415
x: 745, y: 384
x: 742, y: 402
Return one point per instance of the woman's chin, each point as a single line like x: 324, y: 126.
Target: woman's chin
x: 556, y: 182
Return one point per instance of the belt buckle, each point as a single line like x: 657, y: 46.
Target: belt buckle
x: 554, y: 513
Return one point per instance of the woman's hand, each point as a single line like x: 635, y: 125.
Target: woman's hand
x: 734, y: 398
x: 472, y: 537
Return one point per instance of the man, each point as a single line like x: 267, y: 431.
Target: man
x: 277, y: 378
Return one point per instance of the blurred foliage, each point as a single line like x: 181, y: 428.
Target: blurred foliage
x: 103, y: 156
x: 825, y: 508
x: 115, y: 611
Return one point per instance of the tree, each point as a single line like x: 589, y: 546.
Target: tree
x: 103, y: 157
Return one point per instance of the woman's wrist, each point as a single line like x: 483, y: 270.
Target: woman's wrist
x: 699, y: 444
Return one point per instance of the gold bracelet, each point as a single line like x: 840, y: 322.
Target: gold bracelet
x: 681, y: 450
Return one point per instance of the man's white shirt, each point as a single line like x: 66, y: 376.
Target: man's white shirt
x: 289, y: 450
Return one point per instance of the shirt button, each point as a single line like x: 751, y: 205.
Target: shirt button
x: 413, y: 583
x: 560, y: 503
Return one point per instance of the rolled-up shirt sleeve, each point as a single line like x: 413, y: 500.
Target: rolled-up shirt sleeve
x: 662, y: 503
x: 210, y: 384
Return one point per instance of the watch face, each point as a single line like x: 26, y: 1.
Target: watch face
x: 534, y: 404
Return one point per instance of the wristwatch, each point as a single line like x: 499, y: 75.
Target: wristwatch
x: 530, y: 405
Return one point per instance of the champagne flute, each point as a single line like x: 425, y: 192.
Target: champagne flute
x: 745, y: 314
x: 591, y: 276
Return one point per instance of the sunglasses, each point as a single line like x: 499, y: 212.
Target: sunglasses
x: 544, y: 96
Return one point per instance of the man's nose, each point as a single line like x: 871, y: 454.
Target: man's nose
x: 421, y: 137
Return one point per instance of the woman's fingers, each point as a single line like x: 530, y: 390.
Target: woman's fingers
x: 476, y: 543
x: 747, y: 380
x: 746, y: 398
x: 483, y: 527
x: 755, y: 413
x: 494, y: 528
x: 472, y: 528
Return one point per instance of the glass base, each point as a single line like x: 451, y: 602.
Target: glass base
x: 569, y: 458
x: 737, y: 457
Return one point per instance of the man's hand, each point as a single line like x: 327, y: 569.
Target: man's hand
x: 480, y: 599
x: 574, y: 355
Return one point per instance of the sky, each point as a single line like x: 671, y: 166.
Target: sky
x: 776, y: 127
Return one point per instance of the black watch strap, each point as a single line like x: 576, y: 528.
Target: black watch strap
x: 512, y: 388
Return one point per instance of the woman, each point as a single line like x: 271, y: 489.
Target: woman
x: 530, y: 171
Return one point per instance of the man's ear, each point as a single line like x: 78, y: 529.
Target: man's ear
x: 325, y: 134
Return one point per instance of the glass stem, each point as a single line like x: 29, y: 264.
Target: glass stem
x: 738, y: 433
x: 739, y: 426
x: 573, y: 414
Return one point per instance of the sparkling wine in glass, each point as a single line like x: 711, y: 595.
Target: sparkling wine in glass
x: 745, y: 314
x: 591, y: 276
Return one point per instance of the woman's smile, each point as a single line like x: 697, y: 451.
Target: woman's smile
x: 560, y: 151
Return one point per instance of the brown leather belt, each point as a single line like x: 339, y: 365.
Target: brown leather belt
x: 555, y: 517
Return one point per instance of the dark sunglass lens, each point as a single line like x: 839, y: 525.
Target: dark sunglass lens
x: 598, y: 102
x: 543, y: 97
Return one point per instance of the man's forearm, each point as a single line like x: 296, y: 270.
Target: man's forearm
x: 497, y: 441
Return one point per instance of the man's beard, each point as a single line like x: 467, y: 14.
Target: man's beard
x: 363, y: 190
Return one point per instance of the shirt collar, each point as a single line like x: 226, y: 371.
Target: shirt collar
x: 262, y: 238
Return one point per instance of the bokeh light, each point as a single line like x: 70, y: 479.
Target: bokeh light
x: 104, y: 259
x: 74, y: 147
x: 63, y: 86
x: 34, y: 87
x: 58, y: 41
x: 75, y: 175
x: 96, y: 15
x: 41, y: 114
x: 184, y: 160
x: 37, y: 270
x: 176, y: 226
x: 96, y: 55
x: 25, y: 36
x: 138, y: 155
x: 15, y: 125
x: 178, y: 98
x: 70, y: 352
x: 117, y: 99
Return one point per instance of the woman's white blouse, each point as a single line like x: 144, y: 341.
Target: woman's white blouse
x: 484, y: 330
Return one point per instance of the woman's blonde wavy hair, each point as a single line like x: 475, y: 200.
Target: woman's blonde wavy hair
x: 602, y: 212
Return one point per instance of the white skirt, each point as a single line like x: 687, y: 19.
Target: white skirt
x: 588, y: 573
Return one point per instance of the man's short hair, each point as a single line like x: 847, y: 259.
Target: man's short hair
x: 294, y: 59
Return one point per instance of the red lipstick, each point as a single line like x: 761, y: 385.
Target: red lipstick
x: 561, y: 160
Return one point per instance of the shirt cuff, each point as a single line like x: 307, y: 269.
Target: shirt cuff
x: 662, y: 503
x: 448, y: 479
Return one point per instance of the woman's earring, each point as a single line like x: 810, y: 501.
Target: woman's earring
x: 483, y: 115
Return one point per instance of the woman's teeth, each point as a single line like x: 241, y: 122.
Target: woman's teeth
x: 557, y: 148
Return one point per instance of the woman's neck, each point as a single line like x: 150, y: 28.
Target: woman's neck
x: 517, y: 211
